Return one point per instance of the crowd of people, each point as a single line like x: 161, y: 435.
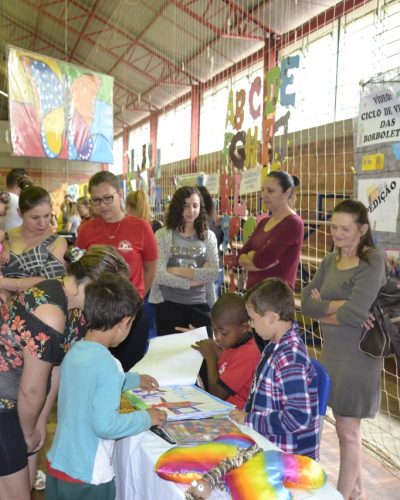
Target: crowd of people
x: 73, y: 324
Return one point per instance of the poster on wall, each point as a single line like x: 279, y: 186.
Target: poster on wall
x: 188, y: 180
x: 59, y: 110
x: 211, y: 182
x: 393, y: 262
x: 251, y: 181
x: 379, y: 115
x: 381, y: 197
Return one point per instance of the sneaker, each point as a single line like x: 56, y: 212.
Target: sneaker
x: 40, y: 480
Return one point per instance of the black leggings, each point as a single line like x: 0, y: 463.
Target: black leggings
x: 171, y: 314
x: 134, y: 347
x: 13, y: 451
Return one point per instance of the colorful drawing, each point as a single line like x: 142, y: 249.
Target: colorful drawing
x: 59, y: 110
x: 393, y: 262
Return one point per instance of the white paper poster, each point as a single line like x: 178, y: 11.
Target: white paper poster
x: 251, y: 181
x: 381, y: 196
x: 211, y: 182
x: 171, y: 359
x: 188, y: 180
x: 379, y: 115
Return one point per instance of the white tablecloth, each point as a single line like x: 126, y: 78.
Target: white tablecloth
x: 134, y: 461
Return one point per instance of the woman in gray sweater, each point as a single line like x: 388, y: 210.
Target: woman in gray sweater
x: 340, y: 296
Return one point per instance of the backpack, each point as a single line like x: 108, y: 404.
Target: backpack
x: 384, y: 338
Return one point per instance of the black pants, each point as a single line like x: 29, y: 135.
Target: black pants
x: 170, y: 314
x: 133, y: 348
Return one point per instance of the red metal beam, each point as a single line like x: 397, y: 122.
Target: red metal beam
x: 59, y: 22
x: 247, y: 14
x: 321, y: 20
x: 88, y: 19
x: 139, y: 36
x: 127, y: 35
x: 195, y: 127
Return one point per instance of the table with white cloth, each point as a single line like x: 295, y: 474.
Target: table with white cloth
x: 135, y: 457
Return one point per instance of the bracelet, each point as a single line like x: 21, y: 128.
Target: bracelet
x: 17, y: 290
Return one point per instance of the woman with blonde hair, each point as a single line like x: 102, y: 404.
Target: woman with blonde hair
x: 137, y: 204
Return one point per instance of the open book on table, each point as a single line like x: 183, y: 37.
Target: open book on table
x: 175, y: 364
x: 181, y: 402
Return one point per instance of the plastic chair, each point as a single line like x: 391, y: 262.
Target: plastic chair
x: 324, y: 386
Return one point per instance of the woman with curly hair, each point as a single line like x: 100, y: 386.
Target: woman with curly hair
x: 183, y: 287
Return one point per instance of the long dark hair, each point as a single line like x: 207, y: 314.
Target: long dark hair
x: 174, y: 218
x: 360, y: 214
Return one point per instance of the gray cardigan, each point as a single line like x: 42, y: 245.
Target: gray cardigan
x: 207, y: 274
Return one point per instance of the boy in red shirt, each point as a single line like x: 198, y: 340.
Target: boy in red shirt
x: 232, y: 357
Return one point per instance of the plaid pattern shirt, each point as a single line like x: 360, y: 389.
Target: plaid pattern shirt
x: 283, y: 401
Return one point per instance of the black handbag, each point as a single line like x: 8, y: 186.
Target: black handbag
x: 383, y: 339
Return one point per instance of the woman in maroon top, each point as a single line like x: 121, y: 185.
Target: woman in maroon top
x: 273, y: 250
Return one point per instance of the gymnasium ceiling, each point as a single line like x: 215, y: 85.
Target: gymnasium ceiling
x: 156, y: 50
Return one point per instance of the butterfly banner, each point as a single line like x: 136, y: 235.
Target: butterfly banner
x: 59, y: 110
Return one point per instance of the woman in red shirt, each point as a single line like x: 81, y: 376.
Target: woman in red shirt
x: 273, y: 250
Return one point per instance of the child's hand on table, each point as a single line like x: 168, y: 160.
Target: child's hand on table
x: 238, y: 416
x: 148, y: 383
x: 158, y: 417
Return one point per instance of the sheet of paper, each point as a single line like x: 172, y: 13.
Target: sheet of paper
x: 171, y: 359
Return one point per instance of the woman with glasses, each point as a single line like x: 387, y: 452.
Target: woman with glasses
x: 35, y: 253
x: 134, y: 240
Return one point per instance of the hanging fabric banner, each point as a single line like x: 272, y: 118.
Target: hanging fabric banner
x: 59, y: 110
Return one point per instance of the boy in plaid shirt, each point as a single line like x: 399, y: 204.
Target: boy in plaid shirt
x: 283, y: 400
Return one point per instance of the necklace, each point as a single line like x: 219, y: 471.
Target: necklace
x: 111, y: 236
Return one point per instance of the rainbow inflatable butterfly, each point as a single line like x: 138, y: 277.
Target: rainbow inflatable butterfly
x: 267, y: 475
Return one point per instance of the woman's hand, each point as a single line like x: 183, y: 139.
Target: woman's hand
x: 183, y: 329
x: 148, y: 383
x: 369, y: 323
x: 238, y: 415
x: 4, y: 256
x: 33, y: 442
x: 315, y: 294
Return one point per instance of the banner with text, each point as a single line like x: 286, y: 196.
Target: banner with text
x: 379, y: 115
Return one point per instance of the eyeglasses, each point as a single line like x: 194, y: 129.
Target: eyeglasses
x: 4, y: 197
x: 107, y: 200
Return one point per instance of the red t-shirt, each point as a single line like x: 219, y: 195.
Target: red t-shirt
x: 132, y: 237
x: 236, y: 368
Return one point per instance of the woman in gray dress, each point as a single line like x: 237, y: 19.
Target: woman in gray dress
x: 340, y: 296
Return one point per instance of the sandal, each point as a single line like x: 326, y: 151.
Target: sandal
x: 40, y: 481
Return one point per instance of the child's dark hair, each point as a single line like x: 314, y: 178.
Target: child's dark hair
x: 109, y: 300
x: 174, y: 218
x: 14, y: 175
x: 31, y: 197
x: 274, y: 295
x: 97, y: 260
x: 232, y: 307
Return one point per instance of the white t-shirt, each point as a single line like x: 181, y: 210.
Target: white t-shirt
x: 12, y: 219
